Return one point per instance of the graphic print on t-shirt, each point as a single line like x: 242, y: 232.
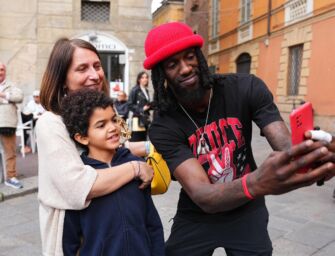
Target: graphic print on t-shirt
x: 227, y: 157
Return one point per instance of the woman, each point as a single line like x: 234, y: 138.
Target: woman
x: 139, y: 104
x: 64, y: 181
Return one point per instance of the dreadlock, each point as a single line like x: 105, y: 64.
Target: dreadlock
x: 164, y: 99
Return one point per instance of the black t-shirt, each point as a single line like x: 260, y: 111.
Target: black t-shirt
x: 238, y: 99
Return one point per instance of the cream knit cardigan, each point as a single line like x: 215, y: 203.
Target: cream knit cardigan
x: 63, y: 180
x: 8, y: 110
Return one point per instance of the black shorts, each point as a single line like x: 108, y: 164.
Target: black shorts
x: 247, y: 235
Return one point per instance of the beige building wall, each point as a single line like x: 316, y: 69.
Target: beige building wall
x: 168, y: 12
x: 18, y: 44
x: 29, y: 30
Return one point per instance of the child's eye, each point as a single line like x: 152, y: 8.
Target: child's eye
x: 100, y: 125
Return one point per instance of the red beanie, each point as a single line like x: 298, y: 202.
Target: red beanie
x: 168, y: 39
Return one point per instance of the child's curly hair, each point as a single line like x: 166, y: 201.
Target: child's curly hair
x: 78, y: 107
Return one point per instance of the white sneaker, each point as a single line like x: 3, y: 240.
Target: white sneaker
x: 14, y: 183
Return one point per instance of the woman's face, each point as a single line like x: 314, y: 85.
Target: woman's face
x: 144, y: 80
x: 85, y: 71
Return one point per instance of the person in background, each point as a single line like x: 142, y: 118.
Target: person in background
x: 64, y: 182
x: 32, y: 111
x: 203, y: 129
x: 139, y: 104
x: 125, y: 219
x: 9, y: 97
x: 121, y: 105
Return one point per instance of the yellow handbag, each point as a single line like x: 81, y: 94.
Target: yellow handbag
x: 162, y: 178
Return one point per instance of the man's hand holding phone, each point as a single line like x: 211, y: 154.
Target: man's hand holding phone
x: 302, y: 128
x: 301, y: 120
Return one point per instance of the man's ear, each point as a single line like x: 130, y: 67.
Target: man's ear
x: 81, y: 139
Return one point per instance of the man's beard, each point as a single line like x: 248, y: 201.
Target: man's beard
x: 191, y: 97
x: 188, y: 96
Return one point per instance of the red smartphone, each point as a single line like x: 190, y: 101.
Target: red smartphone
x: 301, y: 120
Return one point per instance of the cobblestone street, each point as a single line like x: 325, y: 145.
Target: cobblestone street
x: 301, y: 222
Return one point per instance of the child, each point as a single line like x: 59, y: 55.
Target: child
x: 126, y: 221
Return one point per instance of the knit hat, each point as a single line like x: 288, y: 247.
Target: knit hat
x: 168, y: 39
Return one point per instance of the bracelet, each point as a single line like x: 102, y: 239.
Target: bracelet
x: 134, y: 169
x: 147, y: 147
x: 137, y: 171
x: 245, y: 187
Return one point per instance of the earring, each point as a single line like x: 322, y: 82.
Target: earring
x: 64, y: 89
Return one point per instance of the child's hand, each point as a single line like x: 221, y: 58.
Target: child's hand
x: 143, y: 172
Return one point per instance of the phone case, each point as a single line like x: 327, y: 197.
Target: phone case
x: 301, y: 120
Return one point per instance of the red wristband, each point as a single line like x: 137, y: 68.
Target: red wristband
x: 245, y: 187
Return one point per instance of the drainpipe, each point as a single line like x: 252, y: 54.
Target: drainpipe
x: 269, y: 18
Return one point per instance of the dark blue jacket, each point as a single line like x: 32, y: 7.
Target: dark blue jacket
x: 124, y: 222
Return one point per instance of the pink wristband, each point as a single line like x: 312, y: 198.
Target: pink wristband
x: 245, y: 187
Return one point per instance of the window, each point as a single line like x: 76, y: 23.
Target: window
x: 215, y: 17
x: 212, y: 69
x: 297, y: 9
x: 245, y: 29
x: 95, y: 11
x: 245, y: 11
x: 194, y: 5
x: 294, y: 69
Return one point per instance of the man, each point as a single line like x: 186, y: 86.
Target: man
x: 203, y: 130
x: 34, y: 106
x: 32, y: 111
x: 9, y: 97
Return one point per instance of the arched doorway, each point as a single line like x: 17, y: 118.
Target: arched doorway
x: 243, y: 63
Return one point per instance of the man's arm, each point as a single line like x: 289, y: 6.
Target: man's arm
x: 278, y: 135
x: 209, y: 197
x: 277, y: 175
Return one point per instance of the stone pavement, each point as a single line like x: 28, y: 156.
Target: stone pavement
x: 302, y: 222
x: 27, y: 173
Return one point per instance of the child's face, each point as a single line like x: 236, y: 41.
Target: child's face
x: 104, y: 130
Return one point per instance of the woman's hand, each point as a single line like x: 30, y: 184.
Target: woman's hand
x: 143, y: 172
